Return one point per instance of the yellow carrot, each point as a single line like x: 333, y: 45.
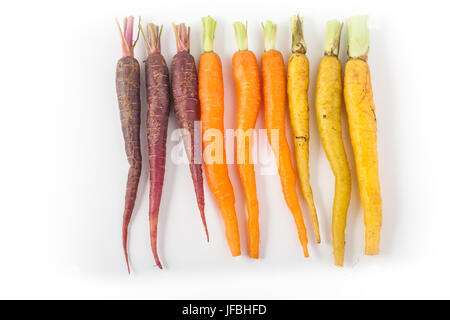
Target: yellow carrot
x: 363, y: 128
x: 297, y: 88
x: 328, y: 111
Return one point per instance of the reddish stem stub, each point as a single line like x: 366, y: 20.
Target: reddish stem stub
x: 128, y: 32
x: 182, y: 36
x: 153, y: 40
x: 127, y: 36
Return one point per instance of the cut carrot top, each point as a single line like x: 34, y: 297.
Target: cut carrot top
x: 358, y: 37
x: 332, y: 38
x: 240, y: 31
x: 270, y: 35
x: 209, y: 27
x: 298, y: 43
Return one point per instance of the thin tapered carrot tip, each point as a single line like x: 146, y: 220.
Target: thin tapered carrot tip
x: 305, y: 251
x: 158, y: 263
x: 125, y: 250
x: 202, y: 214
x: 155, y: 254
x: 206, y: 230
x: 128, y: 264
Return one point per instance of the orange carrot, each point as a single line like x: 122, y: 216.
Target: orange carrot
x: 211, y: 96
x: 274, y: 87
x: 246, y: 79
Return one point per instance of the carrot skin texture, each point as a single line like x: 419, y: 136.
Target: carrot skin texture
x: 158, y: 104
x: 128, y: 95
x: 248, y: 92
x: 274, y: 88
x: 363, y: 133
x: 187, y: 110
x: 211, y: 94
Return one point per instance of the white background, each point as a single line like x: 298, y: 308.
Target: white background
x: 63, y: 166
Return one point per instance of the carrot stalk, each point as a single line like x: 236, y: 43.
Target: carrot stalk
x: 158, y: 107
x: 248, y: 92
x: 363, y: 128
x: 332, y: 41
x: 211, y: 95
x: 128, y: 96
x: 274, y: 88
x: 187, y: 107
x: 297, y: 88
x: 328, y: 111
x: 358, y: 37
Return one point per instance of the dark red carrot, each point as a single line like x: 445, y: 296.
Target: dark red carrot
x: 187, y: 108
x: 158, y: 107
x: 128, y: 95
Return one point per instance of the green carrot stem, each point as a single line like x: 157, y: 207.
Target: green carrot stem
x: 240, y: 31
x: 332, y: 38
x: 270, y: 33
x: 147, y: 45
x: 298, y: 42
x: 358, y: 37
x: 209, y: 27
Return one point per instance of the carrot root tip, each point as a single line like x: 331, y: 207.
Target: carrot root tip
x: 305, y: 252
x: 157, y: 261
x: 128, y: 263
x: 124, y: 244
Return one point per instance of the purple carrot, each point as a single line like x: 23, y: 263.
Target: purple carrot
x: 158, y: 107
x: 128, y: 95
x: 187, y: 108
